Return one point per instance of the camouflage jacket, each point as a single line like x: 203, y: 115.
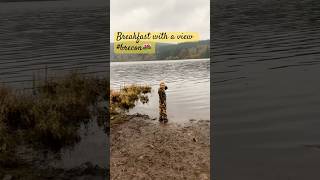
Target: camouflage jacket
x: 162, y: 95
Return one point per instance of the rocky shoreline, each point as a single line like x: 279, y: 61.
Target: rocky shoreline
x: 141, y: 148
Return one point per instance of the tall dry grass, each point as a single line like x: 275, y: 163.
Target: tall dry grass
x: 51, y: 116
x: 126, y: 98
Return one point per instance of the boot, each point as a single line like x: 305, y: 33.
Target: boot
x: 165, y: 120
x: 160, y: 119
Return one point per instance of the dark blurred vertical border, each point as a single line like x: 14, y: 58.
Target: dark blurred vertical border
x: 40, y: 42
x: 212, y: 120
x: 265, y: 89
x: 108, y: 93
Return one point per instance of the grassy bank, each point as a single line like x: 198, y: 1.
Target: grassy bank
x: 121, y: 101
x: 50, y: 117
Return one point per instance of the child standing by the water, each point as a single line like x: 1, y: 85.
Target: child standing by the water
x: 162, y: 103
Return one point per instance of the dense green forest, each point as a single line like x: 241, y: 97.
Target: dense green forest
x: 191, y: 50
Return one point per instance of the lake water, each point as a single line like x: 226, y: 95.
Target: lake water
x: 59, y: 35
x: 188, y: 81
x: 62, y: 36
x: 265, y: 90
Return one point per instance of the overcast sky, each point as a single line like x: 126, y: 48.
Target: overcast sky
x: 160, y: 15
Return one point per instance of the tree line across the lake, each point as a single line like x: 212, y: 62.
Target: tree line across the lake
x: 190, y: 50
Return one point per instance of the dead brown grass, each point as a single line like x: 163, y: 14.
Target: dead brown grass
x: 125, y: 98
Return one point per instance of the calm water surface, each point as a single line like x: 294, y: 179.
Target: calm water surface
x: 266, y: 69
x: 188, y: 81
x: 59, y: 35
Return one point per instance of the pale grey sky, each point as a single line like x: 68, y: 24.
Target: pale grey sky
x: 160, y: 15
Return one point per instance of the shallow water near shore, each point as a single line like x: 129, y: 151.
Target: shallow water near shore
x: 188, y: 81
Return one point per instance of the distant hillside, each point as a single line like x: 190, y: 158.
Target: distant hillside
x: 193, y: 50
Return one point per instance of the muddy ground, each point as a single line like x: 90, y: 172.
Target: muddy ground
x: 141, y: 148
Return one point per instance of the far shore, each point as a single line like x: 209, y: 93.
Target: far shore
x: 127, y: 60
